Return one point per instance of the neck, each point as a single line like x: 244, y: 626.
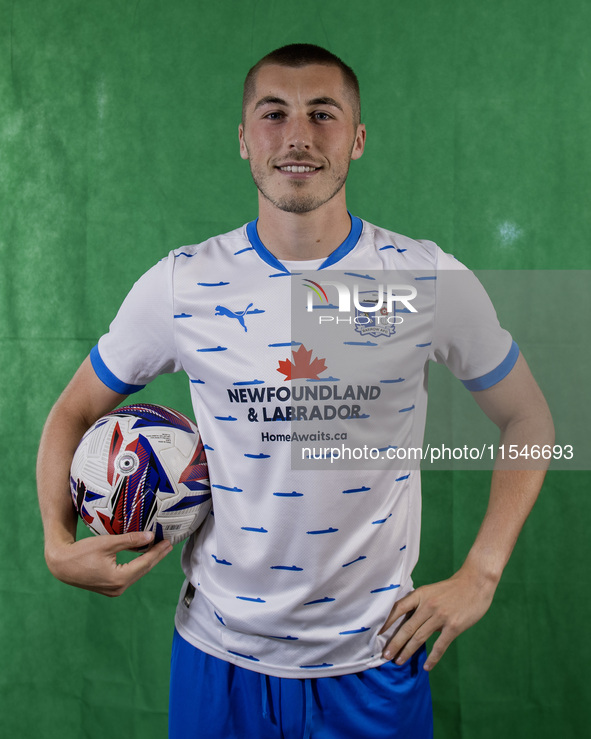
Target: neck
x: 301, y: 236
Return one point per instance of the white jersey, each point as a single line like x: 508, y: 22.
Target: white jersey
x: 297, y: 570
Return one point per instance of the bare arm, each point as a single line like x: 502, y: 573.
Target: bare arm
x: 89, y: 563
x: 517, y: 406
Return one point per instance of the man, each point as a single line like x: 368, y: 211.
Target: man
x: 298, y: 616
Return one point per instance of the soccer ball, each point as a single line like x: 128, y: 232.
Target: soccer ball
x: 142, y: 468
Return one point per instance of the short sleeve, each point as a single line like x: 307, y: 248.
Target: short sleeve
x: 140, y: 344
x: 467, y: 336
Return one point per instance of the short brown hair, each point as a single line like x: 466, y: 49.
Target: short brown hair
x: 301, y: 55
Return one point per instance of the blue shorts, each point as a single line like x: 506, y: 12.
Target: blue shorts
x: 214, y: 699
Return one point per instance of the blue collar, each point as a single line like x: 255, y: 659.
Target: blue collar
x: 341, y: 251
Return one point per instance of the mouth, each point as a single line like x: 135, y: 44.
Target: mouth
x: 298, y: 168
x: 295, y: 171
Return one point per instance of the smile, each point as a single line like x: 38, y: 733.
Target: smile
x: 298, y: 169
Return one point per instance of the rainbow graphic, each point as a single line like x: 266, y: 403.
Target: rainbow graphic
x: 317, y: 289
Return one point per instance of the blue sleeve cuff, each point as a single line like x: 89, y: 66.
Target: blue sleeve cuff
x: 108, y: 378
x: 491, y: 378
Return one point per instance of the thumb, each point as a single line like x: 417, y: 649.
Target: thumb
x: 131, y: 540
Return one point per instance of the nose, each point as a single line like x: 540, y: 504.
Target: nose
x: 298, y: 134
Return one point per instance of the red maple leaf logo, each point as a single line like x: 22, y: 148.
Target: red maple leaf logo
x: 303, y: 366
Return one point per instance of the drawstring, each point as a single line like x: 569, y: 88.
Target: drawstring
x: 265, y: 695
x: 309, y: 701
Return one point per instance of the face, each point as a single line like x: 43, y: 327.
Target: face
x: 299, y: 135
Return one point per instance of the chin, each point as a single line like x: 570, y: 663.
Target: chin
x: 300, y: 206
x: 294, y: 203
x: 300, y: 203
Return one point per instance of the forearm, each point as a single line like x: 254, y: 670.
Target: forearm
x: 519, y: 409
x: 61, y: 435
x: 513, y: 493
x: 84, y: 401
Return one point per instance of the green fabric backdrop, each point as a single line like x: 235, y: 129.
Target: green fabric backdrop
x: 118, y: 142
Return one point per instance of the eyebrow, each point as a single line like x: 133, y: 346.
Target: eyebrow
x: 274, y: 100
x: 269, y: 99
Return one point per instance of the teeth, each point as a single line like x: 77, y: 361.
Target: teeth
x: 298, y: 169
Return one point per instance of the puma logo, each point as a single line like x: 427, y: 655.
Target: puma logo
x: 221, y: 310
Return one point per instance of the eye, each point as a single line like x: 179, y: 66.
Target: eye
x: 320, y: 115
x: 274, y: 115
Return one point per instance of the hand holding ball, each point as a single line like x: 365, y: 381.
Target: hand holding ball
x: 142, y: 468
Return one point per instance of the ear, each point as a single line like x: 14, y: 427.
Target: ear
x: 243, y: 149
x: 359, y: 144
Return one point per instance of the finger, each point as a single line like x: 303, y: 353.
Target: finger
x: 131, y: 540
x: 149, y: 559
x: 408, y: 639
x: 404, y: 633
x: 437, y: 651
x: 401, y: 607
x: 140, y: 566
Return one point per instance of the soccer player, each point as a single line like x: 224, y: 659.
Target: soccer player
x: 298, y: 616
